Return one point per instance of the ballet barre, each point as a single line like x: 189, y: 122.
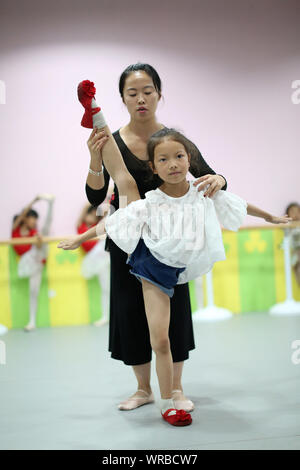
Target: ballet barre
x: 34, y: 240
x: 268, y: 226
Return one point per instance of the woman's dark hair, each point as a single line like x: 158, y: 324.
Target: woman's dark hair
x: 135, y: 68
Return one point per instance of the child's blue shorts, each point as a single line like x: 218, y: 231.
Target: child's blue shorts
x: 146, y: 266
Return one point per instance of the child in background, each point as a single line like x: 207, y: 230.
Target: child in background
x: 293, y: 211
x: 33, y: 257
x: 87, y: 219
x: 96, y: 261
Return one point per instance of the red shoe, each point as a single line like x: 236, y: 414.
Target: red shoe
x: 86, y: 92
x: 181, y: 418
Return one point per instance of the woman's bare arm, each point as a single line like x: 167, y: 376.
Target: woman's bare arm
x: 95, y: 144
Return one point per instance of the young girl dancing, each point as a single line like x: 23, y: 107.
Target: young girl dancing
x: 171, y: 236
x: 33, y: 257
x: 96, y: 261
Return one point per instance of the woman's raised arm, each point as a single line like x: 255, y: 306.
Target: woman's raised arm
x: 96, y: 185
x: 95, y: 143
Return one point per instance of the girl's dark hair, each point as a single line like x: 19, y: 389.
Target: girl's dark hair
x: 165, y: 133
x: 91, y: 209
x: 95, y: 208
x: 15, y: 217
x: 292, y: 204
x: 32, y: 213
x: 170, y: 134
x: 135, y: 68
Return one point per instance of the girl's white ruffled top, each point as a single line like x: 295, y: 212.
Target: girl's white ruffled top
x: 183, y: 232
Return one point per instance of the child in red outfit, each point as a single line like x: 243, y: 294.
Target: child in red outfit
x: 87, y: 219
x: 96, y: 261
x: 32, y: 257
x: 21, y: 249
x: 24, y: 225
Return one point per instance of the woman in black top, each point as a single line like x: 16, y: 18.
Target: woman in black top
x: 129, y: 341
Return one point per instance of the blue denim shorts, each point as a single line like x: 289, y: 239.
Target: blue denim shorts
x: 145, y: 266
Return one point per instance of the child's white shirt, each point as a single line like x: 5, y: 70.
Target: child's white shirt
x: 179, y: 231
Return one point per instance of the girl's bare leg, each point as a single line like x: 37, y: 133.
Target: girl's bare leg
x: 157, y: 306
x: 34, y: 289
x: 111, y: 155
x: 180, y: 400
x: 117, y: 169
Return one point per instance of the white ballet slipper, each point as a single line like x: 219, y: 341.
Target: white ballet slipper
x: 186, y: 405
x: 135, y: 401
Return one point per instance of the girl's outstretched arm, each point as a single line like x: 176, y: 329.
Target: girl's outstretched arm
x: 256, y: 212
x: 75, y: 242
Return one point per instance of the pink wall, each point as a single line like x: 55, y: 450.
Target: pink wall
x: 227, y: 70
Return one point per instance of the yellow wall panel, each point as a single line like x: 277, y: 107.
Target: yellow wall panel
x: 226, y: 276
x: 5, y: 306
x: 68, y: 296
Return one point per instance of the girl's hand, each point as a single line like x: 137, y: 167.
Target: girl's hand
x: 216, y: 182
x: 95, y: 143
x: 70, y: 244
x: 278, y: 220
